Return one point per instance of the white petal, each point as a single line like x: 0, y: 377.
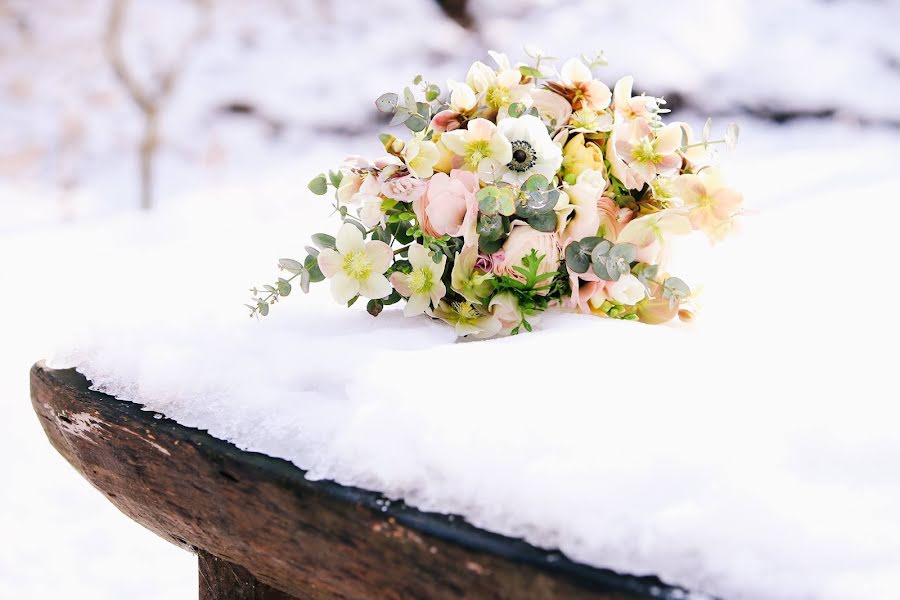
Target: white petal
x: 574, y: 71
x: 455, y: 141
x: 415, y: 305
x: 375, y: 286
x: 343, y: 288
x: 622, y: 92
x: 462, y: 97
x: 418, y: 256
x: 329, y: 262
x: 500, y: 148
x: 348, y: 238
x: 380, y: 254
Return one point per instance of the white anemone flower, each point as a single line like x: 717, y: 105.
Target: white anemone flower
x: 481, y: 140
x: 533, y: 152
x: 356, y: 267
x: 422, y: 287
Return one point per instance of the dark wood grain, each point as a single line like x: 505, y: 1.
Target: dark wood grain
x: 222, y: 580
x: 271, y: 526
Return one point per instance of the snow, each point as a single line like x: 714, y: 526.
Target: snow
x: 751, y: 455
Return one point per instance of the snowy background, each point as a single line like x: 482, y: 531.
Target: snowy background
x: 792, y: 426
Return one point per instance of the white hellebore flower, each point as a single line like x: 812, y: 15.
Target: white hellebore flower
x: 533, y: 152
x: 498, y: 88
x: 462, y: 97
x: 481, y: 140
x: 589, y: 93
x: 421, y: 156
x: 357, y: 267
x: 422, y: 287
x: 628, y: 290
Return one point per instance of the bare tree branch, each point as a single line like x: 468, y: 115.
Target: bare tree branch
x: 149, y: 101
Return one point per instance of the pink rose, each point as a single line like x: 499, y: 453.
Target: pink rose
x: 403, y: 189
x: 448, y: 206
x: 612, y: 217
x: 521, y: 241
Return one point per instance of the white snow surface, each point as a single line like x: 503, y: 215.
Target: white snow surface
x: 752, y: 454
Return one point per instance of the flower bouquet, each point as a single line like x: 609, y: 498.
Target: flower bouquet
x: 520, y: 189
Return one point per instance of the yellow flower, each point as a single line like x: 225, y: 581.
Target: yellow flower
x: 578, y: 156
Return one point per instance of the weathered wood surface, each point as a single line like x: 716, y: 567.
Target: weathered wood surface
x: 257, y: 521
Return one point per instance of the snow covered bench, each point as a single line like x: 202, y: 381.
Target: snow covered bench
x: 262, y: 530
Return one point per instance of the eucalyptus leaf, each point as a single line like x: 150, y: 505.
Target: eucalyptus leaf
x: 291, y: 265
x: 626, y: 252
x: 545, y: 221
x: 409, y: 99
x: 400, y: 116
x: 305, y: 278
x: 490, y: 227
x: 416, y: 123
x: 516, y: 109
x: 319, y: 185
x: 432, y: 92
x: 386, y: 103
x: 535, y: 182
x: 323, y: 240
x: 357, y: 224
x: 576, y: 259
x: 335, y: 177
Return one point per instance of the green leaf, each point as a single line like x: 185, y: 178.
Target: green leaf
x: 409, y: 99
x: 311, y: 251
x: 416, y: 123
x: 312, y: 267
x: 545, y: 221
x: 289, y: 264
x: 357, y: 224
x: 432, y: 92
x: 319, y: 185
x: 530, y: 72
x: 284, y: 287
x: 493, y: 200
x: 323, y: 240
x: 394, y: 298
x: 352, y: 301
x: 304, y: 282
x: 626, y: 252
x: 516, y: 109
x: 673, y: 286
x: 335, y: 177
x: 576, y: 259
x: 535, y: 182
x: 386, y: 103
x: 262, y: 308
x: 490, y: 227
x: 400, y: 115
x: 602, y: 271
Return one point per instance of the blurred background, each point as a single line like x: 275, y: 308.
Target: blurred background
x: 142, y: 136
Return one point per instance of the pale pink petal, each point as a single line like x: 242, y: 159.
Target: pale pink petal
x: 330, y: 262
x: 400, y: 283
x: 416, y: 305
x: 380, y: 254
x: 668, y: 139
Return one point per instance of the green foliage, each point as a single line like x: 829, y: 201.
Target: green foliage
x: 319, y: 185
x: 323, y: 241
x: 496, y: 200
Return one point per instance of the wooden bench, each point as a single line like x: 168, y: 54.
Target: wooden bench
x: 261, y: 530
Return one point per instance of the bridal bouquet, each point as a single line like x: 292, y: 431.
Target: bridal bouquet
x: 520, y: 189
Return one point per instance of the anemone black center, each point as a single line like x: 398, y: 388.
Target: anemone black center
x: 523, y: 156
